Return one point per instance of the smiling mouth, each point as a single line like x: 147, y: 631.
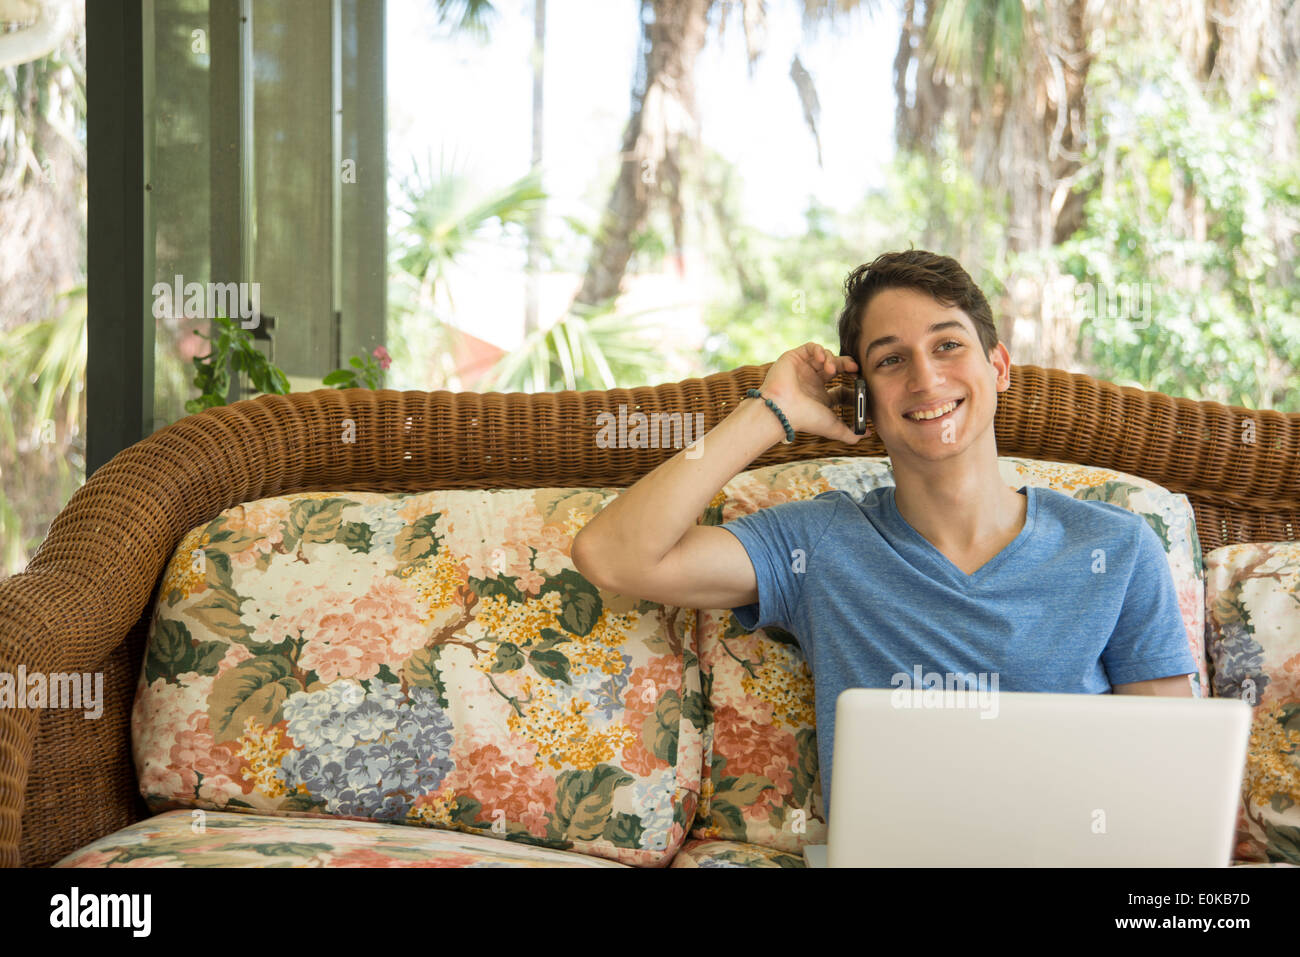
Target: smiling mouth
x: 951, y: 408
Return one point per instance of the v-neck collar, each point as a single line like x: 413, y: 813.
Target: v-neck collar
x: 925, y: 552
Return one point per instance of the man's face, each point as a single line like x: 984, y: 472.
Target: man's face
x: 919, y: 356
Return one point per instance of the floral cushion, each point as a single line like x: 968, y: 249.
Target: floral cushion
x: 705, y: 853
x: 1253, y: 634
x: 228, y: 839
x: 762, y: 783
x: 426, y: 659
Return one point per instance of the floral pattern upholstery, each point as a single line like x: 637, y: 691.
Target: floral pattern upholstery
x: 1253, y: 635
x: 429, y: 659
x: 708, y: 853
x: 230, y: 839
x: 762, y: 783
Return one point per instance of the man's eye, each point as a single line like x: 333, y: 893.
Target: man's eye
x: 946, y: 342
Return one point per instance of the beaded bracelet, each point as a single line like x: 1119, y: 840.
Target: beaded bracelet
x: 789, y: 432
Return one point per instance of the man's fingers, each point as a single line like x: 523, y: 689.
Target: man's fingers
x: 842, y: 395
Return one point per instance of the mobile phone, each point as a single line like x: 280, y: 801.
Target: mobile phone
x: 860, y: 406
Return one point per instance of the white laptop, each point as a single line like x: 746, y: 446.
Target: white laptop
x: 1017, y: 779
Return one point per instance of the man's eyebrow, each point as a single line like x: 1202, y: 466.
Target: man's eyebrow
x: 886, y: 340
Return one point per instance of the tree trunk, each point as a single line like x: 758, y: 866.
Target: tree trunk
x: 663, y: 116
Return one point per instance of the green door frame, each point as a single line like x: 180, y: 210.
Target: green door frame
x: 120, y: 255
x: 119, y: 322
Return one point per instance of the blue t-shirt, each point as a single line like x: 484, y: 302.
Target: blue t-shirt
x: 1080, y: 600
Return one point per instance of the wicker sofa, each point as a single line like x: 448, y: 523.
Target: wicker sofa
x: 87, y: 601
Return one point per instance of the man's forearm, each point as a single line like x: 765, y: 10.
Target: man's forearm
x: 640, y: 527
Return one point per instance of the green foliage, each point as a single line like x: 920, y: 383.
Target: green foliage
x: 42, y: 451
x: 1186, y: 201
x: 795, y: 287
x: 233, y: 348
x: 364, y: 372
x: 436, y: 217
x: 586, y: 349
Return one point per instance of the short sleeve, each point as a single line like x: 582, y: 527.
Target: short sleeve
x: 780, y: 541
x: 1150, y: 638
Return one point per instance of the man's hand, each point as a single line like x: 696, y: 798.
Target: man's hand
x: 796, y: 382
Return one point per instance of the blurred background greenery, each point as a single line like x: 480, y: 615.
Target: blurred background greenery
x: 1067, y: 153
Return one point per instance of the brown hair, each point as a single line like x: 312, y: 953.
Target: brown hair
x: 940, y: 276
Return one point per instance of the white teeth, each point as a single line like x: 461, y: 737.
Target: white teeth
x: 942, y: 410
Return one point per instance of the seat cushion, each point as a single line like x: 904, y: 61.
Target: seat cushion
x: 762, y: 781
x: 708, y: 853
x: 428, y: 658
x: 232, y: 839
x: 1253, y: 634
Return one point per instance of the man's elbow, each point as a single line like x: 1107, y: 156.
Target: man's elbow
x: 588, y: 565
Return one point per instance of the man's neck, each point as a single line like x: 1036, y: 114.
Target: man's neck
x: 958, y: 508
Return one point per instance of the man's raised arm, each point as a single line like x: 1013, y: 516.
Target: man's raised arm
x: 646, y: 543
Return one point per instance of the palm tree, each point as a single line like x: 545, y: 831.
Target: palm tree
x: 663, y: 120
x: 440, y: 213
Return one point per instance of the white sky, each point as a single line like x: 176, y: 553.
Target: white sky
x: 473, y: 101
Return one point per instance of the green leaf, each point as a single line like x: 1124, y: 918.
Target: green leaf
x: 314, y: 520
x: 338, y: 377
x: 805, y: 772
x: 421, y: 671
x: 417, y: 540
x: 252, y: 689
x: 550, y: 664
x: 355, y: 535
x: 550, y: 638
x: 659, y: 730
x: 623, y: 830
x: 584, y: 801
x: 218, y: 611
x: 501, y: 585
x: 172, y: 651
x: 466, y: 811
x: 695, y: 709
x: 508, y: 658
x: 580, y: 603
x: 742, y: 791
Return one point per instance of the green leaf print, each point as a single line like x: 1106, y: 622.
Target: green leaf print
x: 355, y: 535
x: 173, y: 651
x: 659, y: 730
x: 252, y: 689
x: 417, y: 541
x: 550, y: 664
x: 313, y: 520
x: 580, y: 604
x: 421, y: 671
x: 508, y: 658
x: 624, y: 830
x: 805, y: 774
x: 584, y: 801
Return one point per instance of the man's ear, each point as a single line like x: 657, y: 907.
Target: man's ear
x: 1000, y: 359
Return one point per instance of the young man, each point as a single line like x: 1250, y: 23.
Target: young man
x: 950, y: 569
